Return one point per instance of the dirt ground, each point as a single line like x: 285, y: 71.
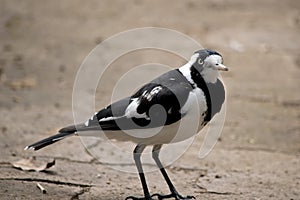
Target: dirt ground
x: 43, y: 43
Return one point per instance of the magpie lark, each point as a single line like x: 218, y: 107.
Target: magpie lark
x: 164, y: 102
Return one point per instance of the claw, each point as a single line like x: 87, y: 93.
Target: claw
x: 161, y: 197
x: 137, y: 198
x: 176, y: 196
x: 133, y: 198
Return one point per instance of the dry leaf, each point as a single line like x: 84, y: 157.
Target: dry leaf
x: 32, y: 164
x: 25, y: 83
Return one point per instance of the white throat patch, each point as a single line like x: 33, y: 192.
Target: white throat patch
x: 209, y: 74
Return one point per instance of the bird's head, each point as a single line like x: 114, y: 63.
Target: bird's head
x: 208, y: 63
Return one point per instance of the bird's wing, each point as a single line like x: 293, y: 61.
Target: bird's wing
x: 153, y: 105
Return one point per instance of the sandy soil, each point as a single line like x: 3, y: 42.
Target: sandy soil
x: 42, y: 44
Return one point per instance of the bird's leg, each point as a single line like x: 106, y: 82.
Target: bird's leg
x: 137, y: 158
x: 174, y: 193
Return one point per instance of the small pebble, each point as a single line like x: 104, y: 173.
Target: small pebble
x: 218, y: 176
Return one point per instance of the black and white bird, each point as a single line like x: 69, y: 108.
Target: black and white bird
x: 163, y: 102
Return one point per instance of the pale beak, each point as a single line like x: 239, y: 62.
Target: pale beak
x: 222, y: 67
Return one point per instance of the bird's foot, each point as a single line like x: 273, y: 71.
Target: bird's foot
x: 173, y: 195
x: 138, y: 198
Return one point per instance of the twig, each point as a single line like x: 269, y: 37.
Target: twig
x: 41, y: 188
x: 49, y: 181
x: 204, y: 190
x: 81, y: 192
x: 218, y: 193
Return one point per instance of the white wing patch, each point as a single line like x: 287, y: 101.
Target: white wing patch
x: 88, y: 121
x: 149, y: 95
x: 109, y: 118
x: 131, y: 110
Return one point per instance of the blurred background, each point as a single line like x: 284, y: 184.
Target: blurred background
x: 43, y: 43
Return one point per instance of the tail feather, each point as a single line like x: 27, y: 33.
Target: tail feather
x: 62, y: 133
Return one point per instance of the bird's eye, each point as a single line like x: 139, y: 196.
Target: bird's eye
x: 200, y: 61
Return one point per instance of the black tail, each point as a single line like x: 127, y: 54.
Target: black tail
x: 62, y: 133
